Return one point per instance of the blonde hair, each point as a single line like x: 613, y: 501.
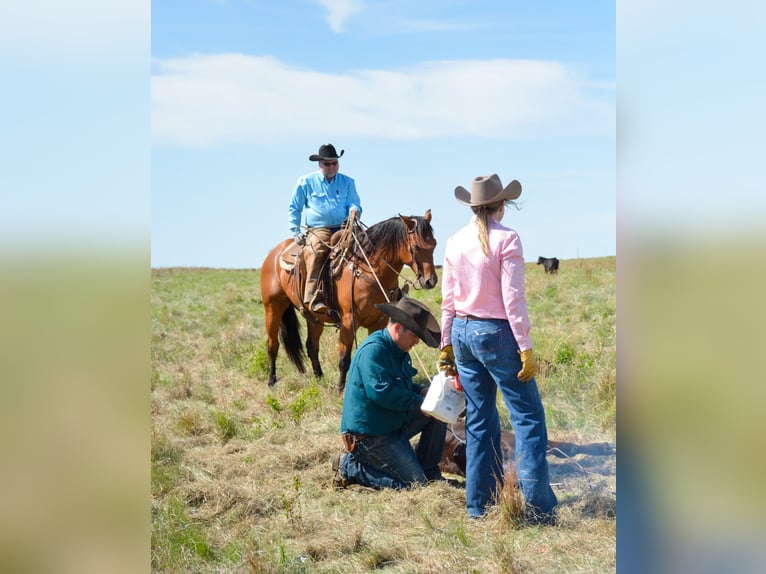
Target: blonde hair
x: 482, y: 212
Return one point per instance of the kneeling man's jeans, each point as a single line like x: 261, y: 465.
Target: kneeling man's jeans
x: 389, y: 461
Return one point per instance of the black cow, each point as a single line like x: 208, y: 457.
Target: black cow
x: 551, y: 264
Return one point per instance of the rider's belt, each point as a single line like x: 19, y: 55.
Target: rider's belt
x: 330, y: 229
x: 472, y: 317
x: 350, y: 439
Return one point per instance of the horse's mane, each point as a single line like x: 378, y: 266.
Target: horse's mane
x: 385, y: 237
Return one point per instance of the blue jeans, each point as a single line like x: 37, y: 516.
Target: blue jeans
x: 389, y: 461
x: 487, y: 358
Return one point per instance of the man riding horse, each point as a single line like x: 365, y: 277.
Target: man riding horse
x: 369, y: 274
x: 329, y: 198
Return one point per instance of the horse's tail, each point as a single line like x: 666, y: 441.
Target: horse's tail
x: 289, y: 332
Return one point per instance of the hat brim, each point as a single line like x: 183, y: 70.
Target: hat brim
x: 431, y: 335
x: 315, y: 157
x: 511, y: 191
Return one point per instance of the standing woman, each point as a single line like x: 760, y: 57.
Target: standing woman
x: 485, y: 321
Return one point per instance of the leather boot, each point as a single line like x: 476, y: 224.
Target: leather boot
x: 319, y: 305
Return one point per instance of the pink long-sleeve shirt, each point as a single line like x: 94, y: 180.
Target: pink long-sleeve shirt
x: 487, y: 286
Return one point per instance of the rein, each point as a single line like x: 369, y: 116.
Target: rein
x: 382, y: 290
x: 372, y: 269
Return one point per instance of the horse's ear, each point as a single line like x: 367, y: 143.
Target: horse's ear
x: 409, y: 223
x: 427, y: 216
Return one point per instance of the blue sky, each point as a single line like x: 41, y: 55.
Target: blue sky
x: 422, y: 96
x: 91, y: 161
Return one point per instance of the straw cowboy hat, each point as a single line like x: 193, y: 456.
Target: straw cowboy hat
x: 416, y: 317
x: 487, y: 189
x: 326, y: 151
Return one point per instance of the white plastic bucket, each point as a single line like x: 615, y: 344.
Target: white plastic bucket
x: 443, y: 400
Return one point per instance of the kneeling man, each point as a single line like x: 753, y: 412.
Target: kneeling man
x: 381, y: 406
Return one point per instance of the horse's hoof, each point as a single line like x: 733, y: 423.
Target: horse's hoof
x: 272, y: 382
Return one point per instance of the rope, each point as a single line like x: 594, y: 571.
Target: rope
x: 346, y: 235
x: 372, y: 270
x: 397, y: 273
x: 457, y: 438
x: 388, y: 299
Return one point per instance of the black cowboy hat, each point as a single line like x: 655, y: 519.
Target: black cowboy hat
x: 326, y: 151
x: 416, y: 317
x: 487, y: 189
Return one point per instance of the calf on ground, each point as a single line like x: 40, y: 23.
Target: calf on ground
x: 551, y: 264
x: 454, y: 458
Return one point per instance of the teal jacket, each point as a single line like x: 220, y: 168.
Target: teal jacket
x: 380, y: 396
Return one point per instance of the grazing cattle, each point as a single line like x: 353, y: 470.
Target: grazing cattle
x: 551, y: 264
x: 453, y: 458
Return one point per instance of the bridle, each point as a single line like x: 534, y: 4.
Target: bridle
x: 411, y: 247
x: 413, y: 263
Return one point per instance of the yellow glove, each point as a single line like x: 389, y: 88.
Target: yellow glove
x: 528, y: 366
x: 446, y: 361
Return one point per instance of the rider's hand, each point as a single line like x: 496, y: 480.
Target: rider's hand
x: 353, y: 214
x: 300, y: 238
x: 528, y: 365
x: 446, y: 361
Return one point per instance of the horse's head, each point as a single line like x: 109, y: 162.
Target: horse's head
x: 420, y: 249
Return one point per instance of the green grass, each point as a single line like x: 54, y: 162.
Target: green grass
x: 241, y: 472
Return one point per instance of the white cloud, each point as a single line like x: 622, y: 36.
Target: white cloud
x: 340, y: 11
x: 204, y: 100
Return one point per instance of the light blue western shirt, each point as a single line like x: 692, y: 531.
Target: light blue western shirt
x: 326, y: 204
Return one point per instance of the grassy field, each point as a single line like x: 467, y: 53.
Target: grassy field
x: 241, y: 477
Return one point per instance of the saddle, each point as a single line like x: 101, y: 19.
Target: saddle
x: 291, y: 261
x: 288, y: 259
x: 290, y: 256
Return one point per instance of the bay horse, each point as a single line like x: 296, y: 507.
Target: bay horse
x: 367, y: 273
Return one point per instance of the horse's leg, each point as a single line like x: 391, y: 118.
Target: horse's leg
x: 273, y: 318
x: 280, y: 317
x: 312, y: 346
x: 275, y: 306
x: 345, y: 343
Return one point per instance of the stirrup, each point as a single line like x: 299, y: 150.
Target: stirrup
x: 318, y: 303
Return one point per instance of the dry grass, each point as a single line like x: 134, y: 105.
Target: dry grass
x: 241, y: 472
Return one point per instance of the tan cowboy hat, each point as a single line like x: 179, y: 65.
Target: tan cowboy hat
x: 487, y: 189
x: 416, y: 317
x: 326, y: 151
